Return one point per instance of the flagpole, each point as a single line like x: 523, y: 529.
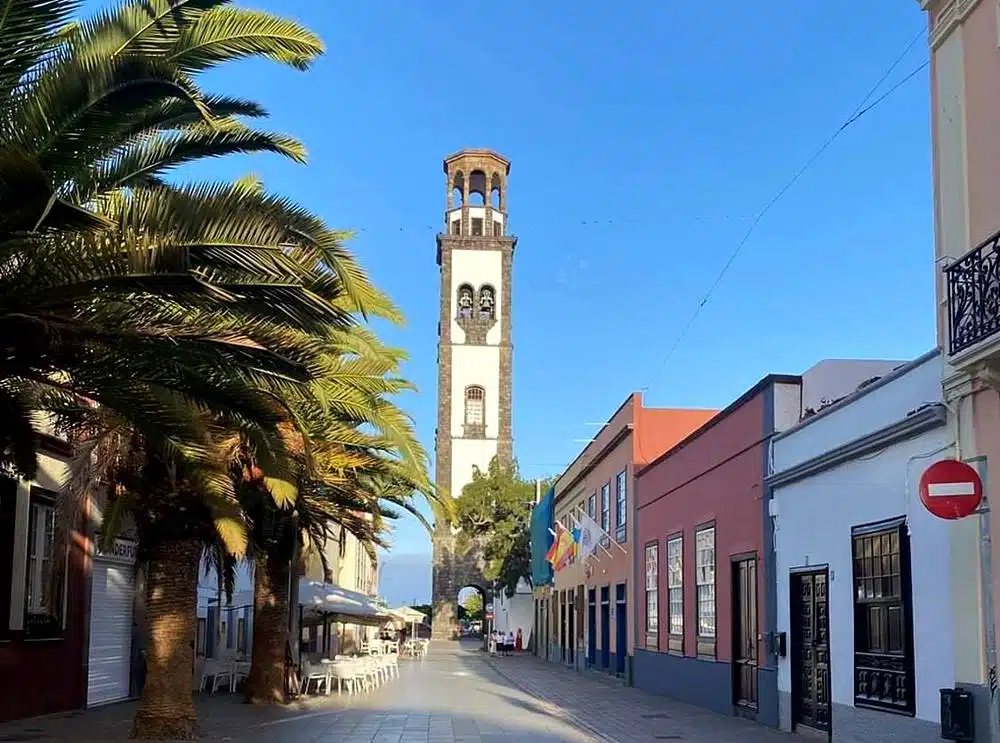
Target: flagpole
x: 604, y: 533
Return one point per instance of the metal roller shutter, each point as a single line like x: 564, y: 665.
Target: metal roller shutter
x: 110, y: 632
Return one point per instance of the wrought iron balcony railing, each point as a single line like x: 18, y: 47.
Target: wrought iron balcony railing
x: 974, y: 296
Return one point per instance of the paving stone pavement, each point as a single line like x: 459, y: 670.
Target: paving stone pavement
x: 456, y: 695
x: 610, y: 711
x: 451, y: 697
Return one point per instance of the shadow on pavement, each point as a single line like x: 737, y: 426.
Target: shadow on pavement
x: 452, y: 697
x: 610, y: 711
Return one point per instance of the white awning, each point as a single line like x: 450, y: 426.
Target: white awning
x: 408, y: 615
x: 319, y: 599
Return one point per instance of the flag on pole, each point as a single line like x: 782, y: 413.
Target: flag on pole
x: 564, y: 551
x: 550, y: 556
x: 590, y: 534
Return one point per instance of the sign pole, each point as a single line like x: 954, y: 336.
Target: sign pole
x: 989, y: 625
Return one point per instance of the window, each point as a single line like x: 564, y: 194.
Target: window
x: 497, y: 229
x: 675, y: 594
x: 201, y: 636
x: 46, y: 574
x: 477, y: 226
x: 487, y: 303
x: 605, y: 512
x: 241, y: 635
x: 652, y: 597
x: 475, y: 411
x: 704, y: 544
x: 621, y: 506
x: 223, y: 636
x: 465, y: 302
x: 456, y: 227
x: 592, y: 505
x: 883, y: 618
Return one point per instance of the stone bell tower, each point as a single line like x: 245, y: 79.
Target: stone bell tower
x: 475, y: 254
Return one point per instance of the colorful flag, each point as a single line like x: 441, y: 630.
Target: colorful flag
x: 550, y: 556
x: 554, y: 553
x: 567, y: 547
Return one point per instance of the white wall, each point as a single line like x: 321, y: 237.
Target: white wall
x: 878, y: 408
x: 466, y: 454
x: 476, y: 212
x: 516, y: 612
x: 814, y: 517
x: 831, y: 379
x: 475, y: 365
x: 208, y: 585
x: 787, y: 405
x: 477, y: 267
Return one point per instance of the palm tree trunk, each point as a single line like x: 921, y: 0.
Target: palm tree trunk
x: 166, y: 711
x: 266, y: 682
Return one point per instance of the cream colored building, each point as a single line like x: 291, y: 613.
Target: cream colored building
x: 964, y: 38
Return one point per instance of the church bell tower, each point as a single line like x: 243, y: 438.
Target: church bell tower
x: 475, y: 255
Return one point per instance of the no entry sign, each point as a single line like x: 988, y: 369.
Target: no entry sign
x: 950, y: 489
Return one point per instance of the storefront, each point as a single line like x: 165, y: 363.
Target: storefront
x: 112, y: 600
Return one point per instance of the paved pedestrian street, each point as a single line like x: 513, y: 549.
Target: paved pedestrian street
x: 455, y: 695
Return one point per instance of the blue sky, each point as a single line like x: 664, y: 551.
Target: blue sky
x: 644, y: 137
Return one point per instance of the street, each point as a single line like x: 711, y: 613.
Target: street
x: 454, y: 696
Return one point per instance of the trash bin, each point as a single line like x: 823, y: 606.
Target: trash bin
x: 957, y: 715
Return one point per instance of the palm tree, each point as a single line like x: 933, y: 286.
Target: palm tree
x: 178, y: 315
x: 88, y: 110
x: 343, y: 471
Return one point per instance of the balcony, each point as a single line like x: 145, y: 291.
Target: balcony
x: 973, y: 283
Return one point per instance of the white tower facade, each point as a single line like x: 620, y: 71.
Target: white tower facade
x: 475, y: 255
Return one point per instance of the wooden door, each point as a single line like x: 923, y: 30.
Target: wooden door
x: 810, y: 640
x: 745, y: 632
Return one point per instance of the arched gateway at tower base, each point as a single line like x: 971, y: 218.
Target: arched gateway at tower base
x: 475, y: 255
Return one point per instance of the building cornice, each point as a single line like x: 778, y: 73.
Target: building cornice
x: 917, y: 422
x: 946, y: 16
x: 598, y: 457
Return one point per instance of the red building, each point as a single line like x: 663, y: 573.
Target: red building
x: 44, y: 600
x: 704, y: 604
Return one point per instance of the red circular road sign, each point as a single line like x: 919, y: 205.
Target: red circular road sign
x: 950, y: 489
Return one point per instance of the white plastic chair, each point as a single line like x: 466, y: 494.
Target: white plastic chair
x: 311, y: 673
x: 241, y: 672
x: 221, y: 671
x: 361, y: 675
x: 391, y: 664
x: 342, y: 671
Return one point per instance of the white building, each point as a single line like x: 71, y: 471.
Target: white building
x: 231, y: 632
x: 865, y: 575
x: 516, y: 612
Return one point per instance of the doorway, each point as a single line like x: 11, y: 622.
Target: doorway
x: 562, y: 627
x: 571, y: 641
x: 605, y: 628
x: 810, y: 641
x: 744, y: 577
x: 591, y: 627
x: 621, y: 629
